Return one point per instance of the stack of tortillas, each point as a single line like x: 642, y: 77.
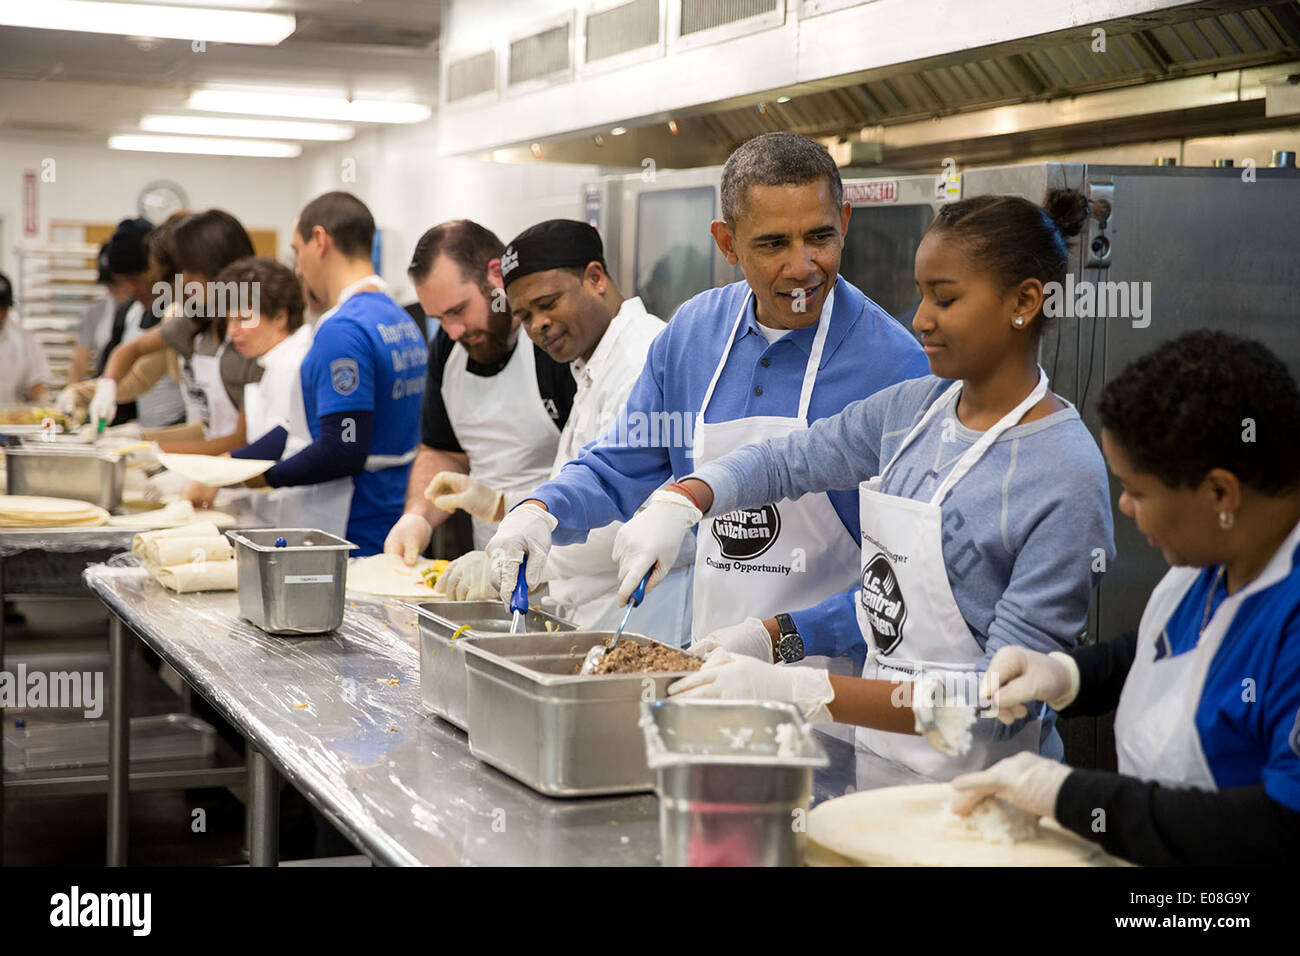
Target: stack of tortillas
x: 913, y: 826
x: 388, y: 575
x: 31, y: 511
x: 196, y: 557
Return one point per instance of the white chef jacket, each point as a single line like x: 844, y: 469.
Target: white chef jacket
x: 21, y: 352
x: 583, y: 578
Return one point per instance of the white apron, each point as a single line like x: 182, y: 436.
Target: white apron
x: 277, y: 400
x: 502, y: 426
x: 907, y: 613
x: 207, y: 402
x: 1155, y: 725
x: 731, y: 550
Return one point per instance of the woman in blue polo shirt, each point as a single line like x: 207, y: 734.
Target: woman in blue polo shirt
x: 1200, y: 434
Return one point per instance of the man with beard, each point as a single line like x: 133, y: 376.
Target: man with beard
x: 494, y: 403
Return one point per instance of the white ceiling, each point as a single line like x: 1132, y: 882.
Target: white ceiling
x: 84, y: 86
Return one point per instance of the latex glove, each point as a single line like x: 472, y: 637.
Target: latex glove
x: 408, y: 538
x: 466, y: 579
x: 728, y: 676
x: 450, y: 490
x: 748, y: 638
x: 1024, y: 675
x: 199, y: 495
x: 1026, y: 780
x: 67, y: 401
x: 652, y: 539
x: 103, y: 407
x: 525, y: 530
x: 152, y: 490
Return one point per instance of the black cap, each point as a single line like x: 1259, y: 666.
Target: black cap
x: 6, y: 292
x: 554, y: 244
x: 126, y: 254
x: 101, y: 264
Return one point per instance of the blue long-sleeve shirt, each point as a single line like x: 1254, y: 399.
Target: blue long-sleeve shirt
x: 865, y: 350
x: 1026, y: 533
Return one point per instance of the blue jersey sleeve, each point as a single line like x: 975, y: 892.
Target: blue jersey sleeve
x: 343, y: 372
x: 1281, y: 703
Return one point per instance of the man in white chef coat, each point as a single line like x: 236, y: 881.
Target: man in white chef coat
x: 561, y: 294
x: 26, y: 369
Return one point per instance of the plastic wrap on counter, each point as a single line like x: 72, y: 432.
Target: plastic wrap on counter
x: 340, y: 714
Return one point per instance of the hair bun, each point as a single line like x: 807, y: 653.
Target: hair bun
x: 1068, y: 209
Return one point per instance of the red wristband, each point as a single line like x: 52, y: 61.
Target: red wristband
x: 688, y: 493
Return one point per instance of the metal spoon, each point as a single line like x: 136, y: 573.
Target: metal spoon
x: 597, y: 653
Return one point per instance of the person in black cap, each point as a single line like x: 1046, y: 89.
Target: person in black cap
x: 562, y: 295
x: 128, y: 258
x: 492, y: 409
x: 97, y: 321
x: 21, y: 356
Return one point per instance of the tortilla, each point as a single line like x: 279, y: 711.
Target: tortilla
x: 165, y: 552
x: 199, y: 529
x: 912, y: 826
x: 213, y: 469
x: 207, y: 576
x: 388, y: 575
x: 34, y: 511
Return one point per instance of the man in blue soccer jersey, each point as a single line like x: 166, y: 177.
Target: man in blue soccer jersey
x: 362, y: 380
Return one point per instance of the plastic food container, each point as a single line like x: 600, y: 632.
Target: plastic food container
x: 296, y: 588
x: 734, y: 780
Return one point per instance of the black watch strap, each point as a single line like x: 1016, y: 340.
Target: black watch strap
x: 789, y: 647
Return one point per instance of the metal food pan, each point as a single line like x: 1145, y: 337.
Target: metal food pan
x: 295, y: 589
x: 562, y: 734
x: 733, y: 787
x: 443, y: 684
x: 66, y: 471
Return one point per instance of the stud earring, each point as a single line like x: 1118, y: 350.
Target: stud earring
x: 1226, y: 520
x: 1019, y: 322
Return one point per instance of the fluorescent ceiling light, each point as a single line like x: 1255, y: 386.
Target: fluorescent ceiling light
x: 148, y: 20
x: 257, y: 128
x: 308, y: 107
x: 206, y: 145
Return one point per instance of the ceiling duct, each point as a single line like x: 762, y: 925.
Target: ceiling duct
x: 621, y: 29
x: 472, y: 76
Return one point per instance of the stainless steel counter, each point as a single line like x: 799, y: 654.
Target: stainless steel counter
x: 339, y: 716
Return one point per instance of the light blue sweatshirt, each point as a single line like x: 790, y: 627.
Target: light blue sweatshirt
x: 1026, y: 532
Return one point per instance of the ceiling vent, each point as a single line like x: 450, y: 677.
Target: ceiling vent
x: 698, y: 15
x: 472, y: 76
x: 541, y: 56
x: 621, y: 29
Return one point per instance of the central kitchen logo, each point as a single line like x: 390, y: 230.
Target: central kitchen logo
x: 882, y: 601
x: 745, y: 534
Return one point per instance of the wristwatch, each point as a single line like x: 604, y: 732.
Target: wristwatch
x: 789, y: 646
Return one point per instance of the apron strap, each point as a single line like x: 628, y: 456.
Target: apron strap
x: 977, y: 450
x: 814, y: 355
x: 946, y: 398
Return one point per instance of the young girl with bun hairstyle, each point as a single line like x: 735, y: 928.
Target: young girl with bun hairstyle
x: 984, y: 510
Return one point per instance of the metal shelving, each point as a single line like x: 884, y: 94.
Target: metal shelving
x: 55, y: 285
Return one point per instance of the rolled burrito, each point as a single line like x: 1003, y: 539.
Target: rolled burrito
x: 208, y: 576
x: 169, y: 551
x: 200, y: 529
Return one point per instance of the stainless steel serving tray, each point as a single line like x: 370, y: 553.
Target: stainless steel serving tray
x: 445, y: 628
x: 734, y: 779
x: 58, y: 470
x: 562, y: 734
x: 296, y: 589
